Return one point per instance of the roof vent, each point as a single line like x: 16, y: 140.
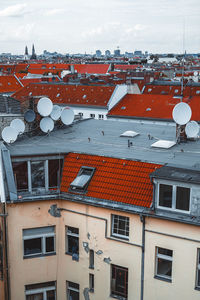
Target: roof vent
x: 129, y: 133
x: 163, y: 144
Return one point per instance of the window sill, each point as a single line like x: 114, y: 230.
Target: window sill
x: 162, y: 278
x: 91, y: 267
x: 39, y: 255
x: 119, y: 237
x: 91, y: 290
x: 118, y: 297
x: 197, y: 288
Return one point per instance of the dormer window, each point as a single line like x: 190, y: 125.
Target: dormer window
x: 81, y: 182
x: 174, y: 197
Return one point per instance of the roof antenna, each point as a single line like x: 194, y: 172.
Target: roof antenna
x: 183, y: 61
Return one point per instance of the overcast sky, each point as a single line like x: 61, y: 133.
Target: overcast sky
x: 79, y: 26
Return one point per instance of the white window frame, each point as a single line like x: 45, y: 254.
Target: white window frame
x: 43, y: 290
x: 72, y: 289
x: 100, y: 117
x: 43, y: 237
x: 174, y: 186
x: 92, y: 115
x: 70, y: 234
x: 112, y: 227
x: 198, y: 269
x: 164, y: 257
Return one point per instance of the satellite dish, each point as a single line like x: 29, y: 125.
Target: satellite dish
x: 46, y: 124
x: 67, y: 116
x: 9, y: 134
x: 29, y: 116
x: 195, y: 73
x: 56, y: 112
x: 44, y: 106
x: 18, y: 125
x: 182, y: 113
x: 192, y: 129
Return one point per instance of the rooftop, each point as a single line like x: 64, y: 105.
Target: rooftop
x: 102, y: 138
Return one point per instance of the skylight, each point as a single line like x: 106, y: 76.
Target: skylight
x: 129, y: 133
x: 163, y: 144
x: 82, y: 180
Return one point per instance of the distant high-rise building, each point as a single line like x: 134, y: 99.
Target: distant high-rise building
x: 117, y: 52
x: 107, y: 53
x: 98, y: 53
x: 33, y: 56
x: 138, y: 53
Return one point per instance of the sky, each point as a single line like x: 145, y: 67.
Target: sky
x: 79, y: 26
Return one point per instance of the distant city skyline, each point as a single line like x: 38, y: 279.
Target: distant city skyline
x: 77, y: 26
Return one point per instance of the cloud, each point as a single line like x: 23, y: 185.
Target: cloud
x: 19, y: 33
x: 55, y: 11
x: 17, y: 10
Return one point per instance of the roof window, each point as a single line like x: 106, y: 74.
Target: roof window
x: 129, y: 133
x: 82, y: 180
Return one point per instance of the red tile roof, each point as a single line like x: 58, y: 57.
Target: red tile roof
x: 9, y: 84
x: 170, y: 90
x: 68, y: 94
x: 114, y: 179
x: 153, y: 106
x: 92, y: 68
x: 127, y: 67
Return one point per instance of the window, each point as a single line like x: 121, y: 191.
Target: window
x: 92, y: 115
x: 91, y: 259
x: 119, y: 282
x: 72, y: 291
x: 101, y: 117
x: 91, y: 282
x: 34, y: 175
x: 72, y: 242
x: 198, y: 270
x: 174, y: 197
x: 120, y: 226
x: 164, y: 263
x: 39, y: 241
x: 80, y: 114
x: 41, y: 291
x: 81, y: 182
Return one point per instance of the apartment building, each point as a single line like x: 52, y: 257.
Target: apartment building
x: 93, y: 213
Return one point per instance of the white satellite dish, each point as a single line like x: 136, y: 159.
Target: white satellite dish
x: 67, y: 116
x: 195, y: 73
x: 56, y: 112
x: 44, y: 106
x: 192, y: 129
x: 18, y: 125
x: 9, y: 134
x: 182, y: 113
x: 46, y: 124
x: 29, y: 116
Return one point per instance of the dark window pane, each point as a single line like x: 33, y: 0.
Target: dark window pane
x: 73, y: 245
x: 35, y: 297
x: 32, y: 246
x: 73, y: 295
x: 119, y: 283
x: 91, y: 259
x: 50, y: 244
x: 182, y: 198
x: 165, y: 251
x: 198, y: 278
x: 40, y: 285
x: 164, y: 267
x: 37, y: 174
x: 20, y: 172
x: 165, y: 195
x: 72, y: 230
x: 73, y: 285
x: 55, y: 168
x: 51, y: 295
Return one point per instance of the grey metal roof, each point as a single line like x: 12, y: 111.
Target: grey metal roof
x: 177, y: 174
x: 99, y: 137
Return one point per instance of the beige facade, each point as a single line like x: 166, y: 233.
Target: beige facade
x: 92, y: 223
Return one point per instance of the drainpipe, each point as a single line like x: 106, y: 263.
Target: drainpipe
x: 142, y: 219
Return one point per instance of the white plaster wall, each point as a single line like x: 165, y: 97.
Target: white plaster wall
x: 86, y: 111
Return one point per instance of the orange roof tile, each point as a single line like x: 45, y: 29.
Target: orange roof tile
x: 92, y: 68
x: 9, y: 84
x: 68, y: 94
x: 114, y: 179
x: 153, y: 106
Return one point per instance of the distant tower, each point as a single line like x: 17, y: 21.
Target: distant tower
x: 33, y: 56
x: 26, y: 53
